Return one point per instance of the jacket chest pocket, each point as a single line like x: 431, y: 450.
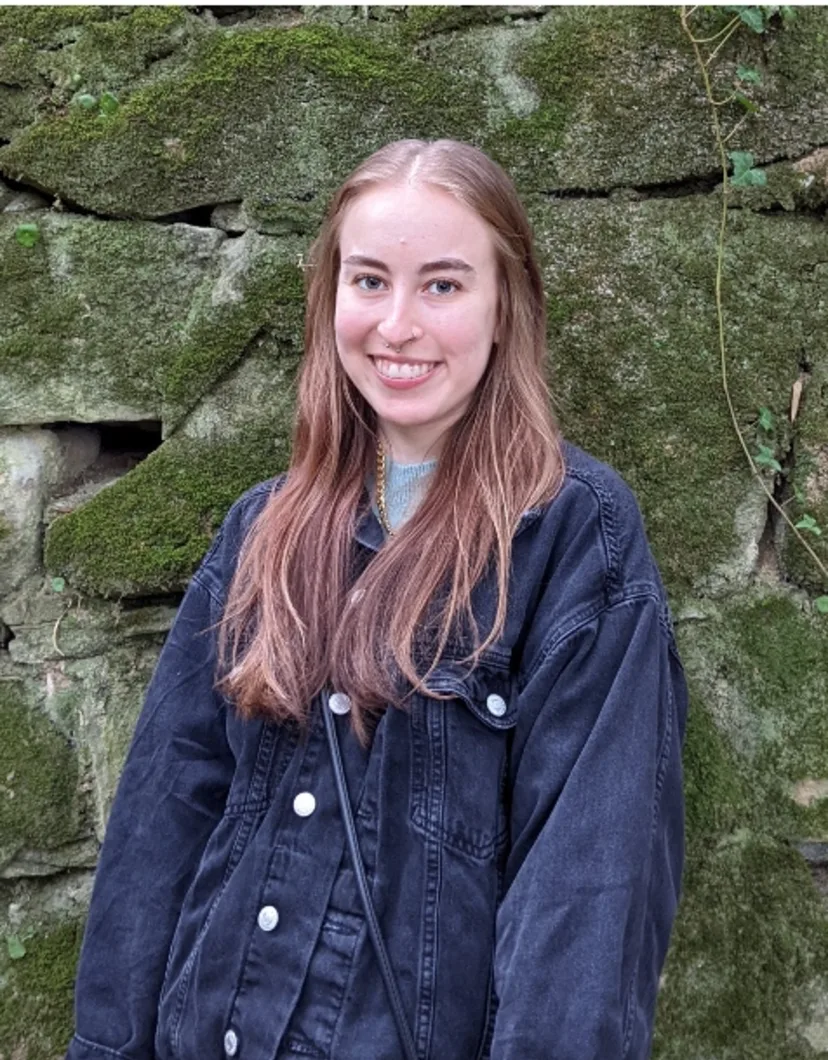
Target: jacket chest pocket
x: 459, y: 760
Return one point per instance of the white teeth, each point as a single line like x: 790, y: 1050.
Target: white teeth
x: 395, y: 370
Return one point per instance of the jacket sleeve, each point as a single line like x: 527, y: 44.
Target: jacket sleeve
x: 597, y: 815
x: 170, y: 797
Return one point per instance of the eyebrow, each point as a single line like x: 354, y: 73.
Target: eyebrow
x: 453, y: 264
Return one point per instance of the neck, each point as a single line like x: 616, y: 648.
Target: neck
x: 410, y: 446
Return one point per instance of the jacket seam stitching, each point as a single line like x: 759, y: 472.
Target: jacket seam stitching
x: 606, y: 515
x: 101, y: 1048
x: 661, y: 770
x: 600, y: 607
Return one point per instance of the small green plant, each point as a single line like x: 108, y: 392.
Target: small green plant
x: 27, y: 234
x: 15, y: 947
x: 765, y: 456
x: 108, y: 103
x: 807, y: 522
x: 744, y: 174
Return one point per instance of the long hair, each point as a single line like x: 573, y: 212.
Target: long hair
x: 303, y: 610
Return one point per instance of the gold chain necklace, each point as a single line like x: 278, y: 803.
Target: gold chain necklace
x: 381, y: 506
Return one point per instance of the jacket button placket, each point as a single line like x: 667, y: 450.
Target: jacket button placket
x: 294, y: 900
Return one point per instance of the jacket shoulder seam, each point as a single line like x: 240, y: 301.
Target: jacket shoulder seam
x: 607, y: 521
x: 573, y: 623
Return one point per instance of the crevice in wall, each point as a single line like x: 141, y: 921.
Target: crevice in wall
x: 6, y: 636
x: 141, y: 603
x: 107, y: 451
x: 699, y: 185
x: 197, y: 216
x: 768, y: 557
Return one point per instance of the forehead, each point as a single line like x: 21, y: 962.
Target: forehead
x: 420, y: 221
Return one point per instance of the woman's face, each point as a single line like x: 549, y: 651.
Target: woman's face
x: 418, y: 275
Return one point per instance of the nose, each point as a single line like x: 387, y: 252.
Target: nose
x: 398, y: 323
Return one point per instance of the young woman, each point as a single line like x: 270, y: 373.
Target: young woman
x: 407, y: 781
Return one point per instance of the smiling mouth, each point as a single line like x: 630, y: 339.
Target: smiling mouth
x: 403, y: 369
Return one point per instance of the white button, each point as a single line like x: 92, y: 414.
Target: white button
x: 304, y: 804
x: 231, y: 1043
x: 339, y: 703
x: 267, y: 920
x: 496, y: 705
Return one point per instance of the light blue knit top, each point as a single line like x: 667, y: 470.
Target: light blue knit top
x: 404, y: 488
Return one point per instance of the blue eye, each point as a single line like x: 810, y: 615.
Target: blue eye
x: 358, y: 281
x: 447, y: 283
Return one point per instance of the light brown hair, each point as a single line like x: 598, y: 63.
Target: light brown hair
x: 293, y: 622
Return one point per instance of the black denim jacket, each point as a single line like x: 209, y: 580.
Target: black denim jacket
x: 523, y: 840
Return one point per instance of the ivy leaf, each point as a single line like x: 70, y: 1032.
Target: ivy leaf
x: 744, y: 175
x: 742, y: 161
x: 749, y: 74
x: 86, y: 101
x: 58, y: 585
x: 821, y: 604
x: 27, y: 234
x: 108, y: 103
x: 807, y: 522
x: 765, y: 458
x: 753, y: 17
x: 765, y: 418
x: 15, y: 947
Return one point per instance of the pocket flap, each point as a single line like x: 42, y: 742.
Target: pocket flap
x: 488, y: 691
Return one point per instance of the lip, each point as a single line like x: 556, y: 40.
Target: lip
x: 402, y: 384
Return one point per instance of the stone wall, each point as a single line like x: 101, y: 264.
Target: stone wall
x: 163, y: 171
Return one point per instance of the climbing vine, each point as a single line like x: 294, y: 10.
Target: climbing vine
x: 739, y: 170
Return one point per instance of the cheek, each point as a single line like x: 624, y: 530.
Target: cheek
x: 349, y: 326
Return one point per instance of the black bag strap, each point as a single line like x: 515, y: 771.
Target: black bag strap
x: 391, y: 987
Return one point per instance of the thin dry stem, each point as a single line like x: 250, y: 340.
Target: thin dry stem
x: 719, y: 304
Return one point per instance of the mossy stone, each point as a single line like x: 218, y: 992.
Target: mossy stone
x: 633, y: 342
x: 39, y: 798
x: 147, y: 532
x: 36, y: 993
x: 759, y: 666
x: 212, y: 129
x: 751, y: 933
x: 90, y: 314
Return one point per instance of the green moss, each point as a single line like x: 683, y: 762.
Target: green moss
x: 147, y: 532
x: 36, y: 994
x: 780, y: 664
x: 751, y: 933
x: 69, y: 307
x: 717, y: 799
x: 634, y: 345
x: 18, y: 61
x: 761, y: 669
x: 583, y: 62
x: 213, y: 129
x: 425, y: 20
x: 42, y: 24
x: 272, y: 296
x: 38, y: 777
x: 280, y: 216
